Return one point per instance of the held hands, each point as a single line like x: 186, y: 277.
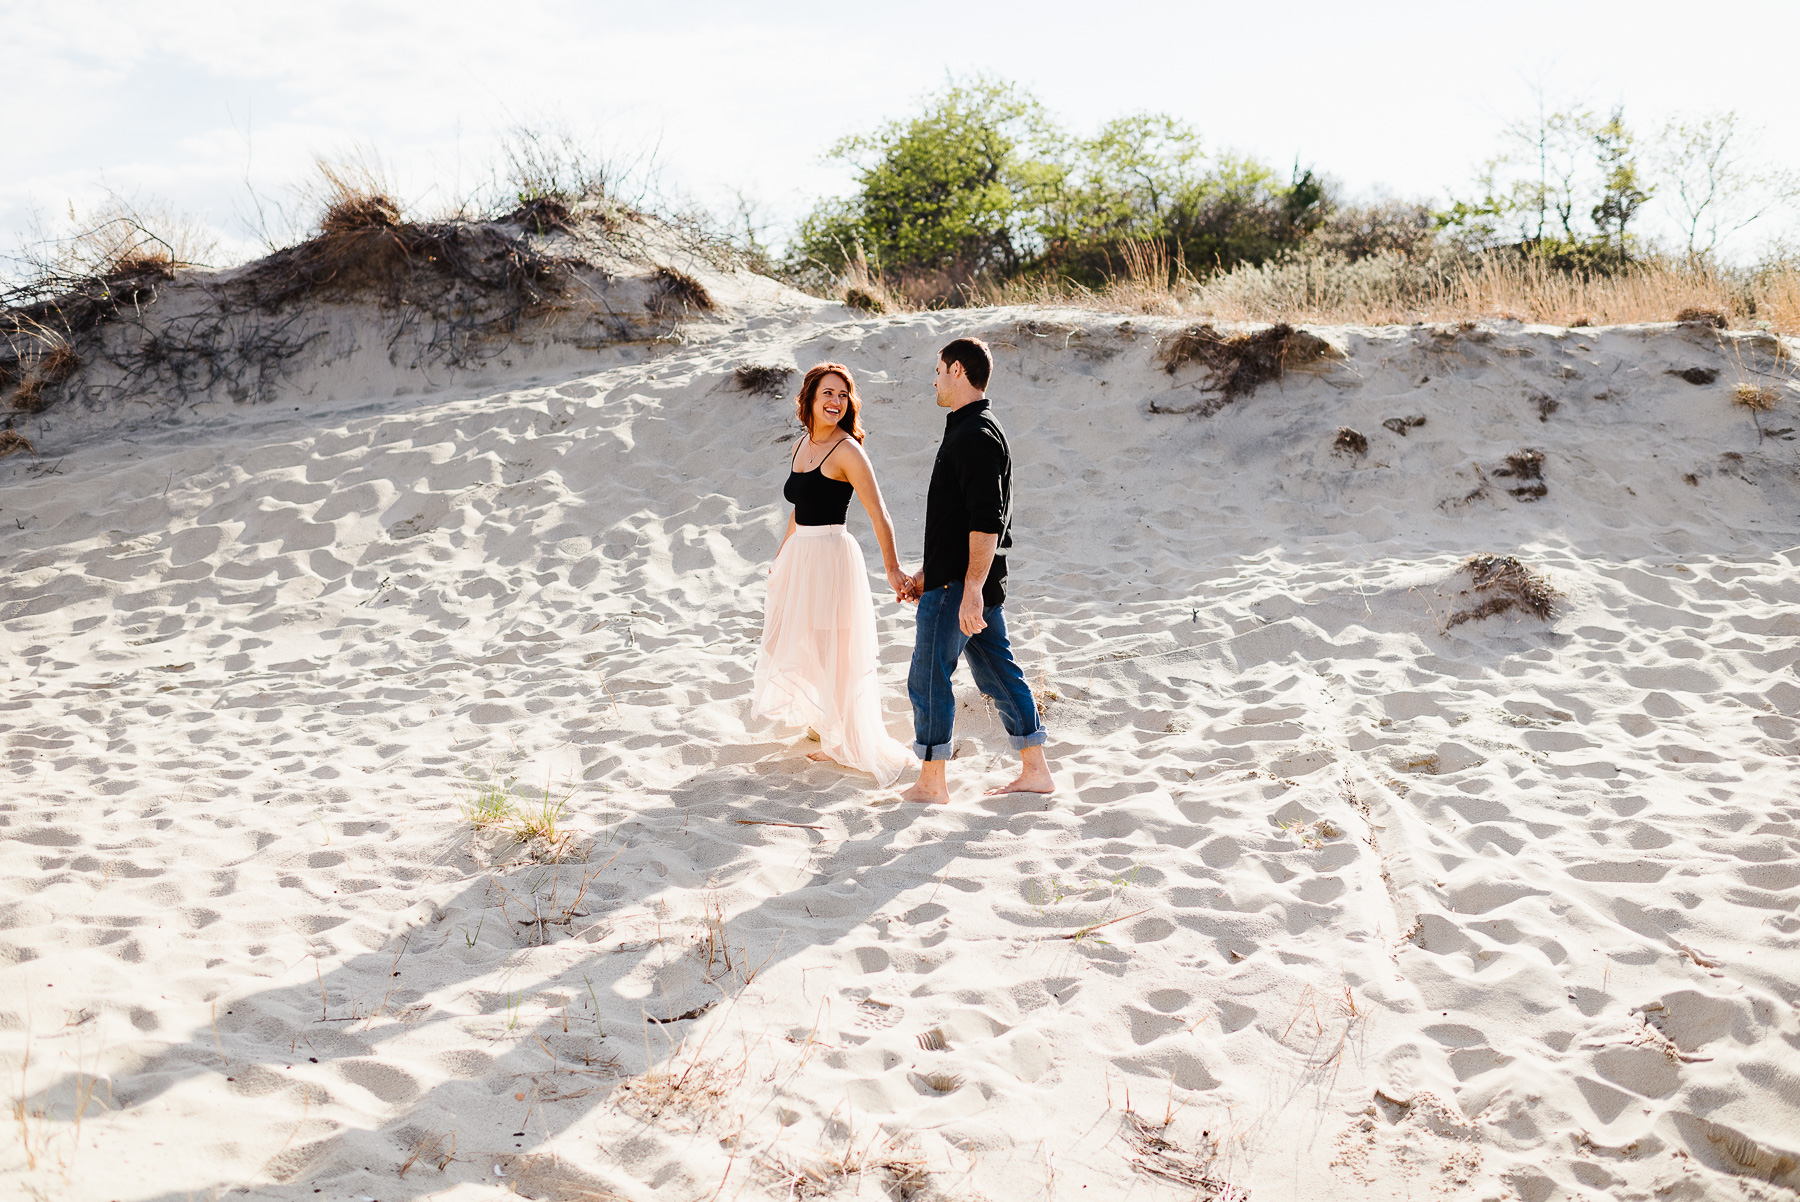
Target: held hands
x: 906, y: 588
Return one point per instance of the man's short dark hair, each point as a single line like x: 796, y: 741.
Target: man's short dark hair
x: 975, y: 358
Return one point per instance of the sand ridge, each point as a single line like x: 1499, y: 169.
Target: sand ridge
x: 1393, y: 907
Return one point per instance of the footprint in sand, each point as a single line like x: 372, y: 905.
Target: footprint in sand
x: 877, y: 1016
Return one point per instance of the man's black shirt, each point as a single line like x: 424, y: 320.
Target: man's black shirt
x: 971, y: 490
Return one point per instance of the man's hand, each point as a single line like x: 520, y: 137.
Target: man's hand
x: 902, y: 584
x: 968, y: 615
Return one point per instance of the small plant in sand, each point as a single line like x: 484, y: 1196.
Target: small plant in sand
x: 497, y: 802
x: 490, y: 802
x: 1312, y: 835
x: 1757, y: 398
x: 540, y: 821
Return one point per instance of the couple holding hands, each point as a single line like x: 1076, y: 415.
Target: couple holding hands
x: 817, y: 665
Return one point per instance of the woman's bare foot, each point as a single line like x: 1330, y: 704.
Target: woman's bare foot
x: 819, y: 757
x: 1034, y: 775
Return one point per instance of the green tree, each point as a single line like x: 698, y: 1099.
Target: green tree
x: 983, y: 184
x: 1622, y: 192
x: 1148, y: 178
x: 1530, y: 194
x: 946, y: 189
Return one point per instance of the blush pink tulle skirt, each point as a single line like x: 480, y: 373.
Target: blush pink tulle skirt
x: 817, y: 666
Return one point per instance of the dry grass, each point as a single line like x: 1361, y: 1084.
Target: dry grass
x: 1350, y: 442
x: 47, y: 360
x: 1389, y: 289
x: 903, y: 1174
x: 1153, y: 1153
x: 1503, y: 584
x: 861, y: 288
x: 1703, y: 317
x: 1395, y: 289
x: 759, y: 379
x: 691, y: 1091
x: 12, y: 440
x: 676, y: 294
x: 124, y: 238
x: 1756, y: 397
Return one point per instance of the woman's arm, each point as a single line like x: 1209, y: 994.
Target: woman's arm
x: 854, y: 462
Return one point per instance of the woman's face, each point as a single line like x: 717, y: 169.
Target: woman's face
x: 832, y: 400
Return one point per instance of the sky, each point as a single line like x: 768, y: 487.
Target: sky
x: 207, y: 108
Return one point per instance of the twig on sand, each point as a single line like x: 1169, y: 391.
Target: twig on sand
x: 802, y: 826
x: 1084, y: 932
x: 1158, y: 1157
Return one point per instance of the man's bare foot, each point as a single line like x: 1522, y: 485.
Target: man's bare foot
x: 1025, y: 782
x: 932, y: 787
x: 1034, y: 775
x: 819, y: 757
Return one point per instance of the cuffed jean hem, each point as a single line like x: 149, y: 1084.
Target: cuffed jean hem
x: 940, y: 643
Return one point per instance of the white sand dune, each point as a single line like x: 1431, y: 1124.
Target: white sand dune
x: 1396, y: 908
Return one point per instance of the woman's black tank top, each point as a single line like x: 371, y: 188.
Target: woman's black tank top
x: 818, y: 500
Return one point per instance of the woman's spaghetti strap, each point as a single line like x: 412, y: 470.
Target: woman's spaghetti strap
x: 794, y: 459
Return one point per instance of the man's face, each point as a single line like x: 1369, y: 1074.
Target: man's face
x: 944, y: 384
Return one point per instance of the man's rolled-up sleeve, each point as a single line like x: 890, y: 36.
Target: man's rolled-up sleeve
x: 979, y: 466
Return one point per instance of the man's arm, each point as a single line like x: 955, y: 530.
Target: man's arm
x: 981, y: 557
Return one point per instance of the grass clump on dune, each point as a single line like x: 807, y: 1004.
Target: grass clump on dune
x: 1503, y: 584
x: 761, y: 379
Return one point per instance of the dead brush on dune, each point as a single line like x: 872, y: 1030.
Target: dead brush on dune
x: 41, y: 368
x: 474, y: 273
x: 1501, y: 584
x: 543, y: 215
x: 1236, y: 364
x: 12, y: 440
x: 675, y: 294
x: 761, y: 379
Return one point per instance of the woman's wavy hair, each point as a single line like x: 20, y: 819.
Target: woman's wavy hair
x: 851, y: 422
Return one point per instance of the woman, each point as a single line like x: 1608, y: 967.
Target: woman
x: 817, y: 666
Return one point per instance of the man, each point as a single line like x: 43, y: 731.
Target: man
x: 960, y: 589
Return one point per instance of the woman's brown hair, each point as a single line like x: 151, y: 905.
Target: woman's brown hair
x: 851, y: 422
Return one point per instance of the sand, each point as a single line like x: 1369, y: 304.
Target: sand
x: 1340, y: 897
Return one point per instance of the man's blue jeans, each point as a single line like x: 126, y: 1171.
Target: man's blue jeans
x: 939, y: 644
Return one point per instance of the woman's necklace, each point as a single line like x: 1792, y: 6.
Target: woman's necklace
x: 813, y: 442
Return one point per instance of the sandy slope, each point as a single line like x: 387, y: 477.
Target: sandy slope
x: 1504, y: 909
